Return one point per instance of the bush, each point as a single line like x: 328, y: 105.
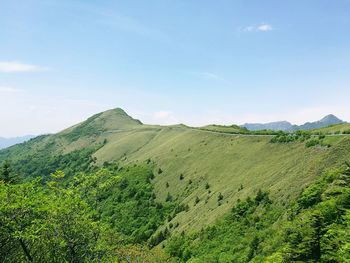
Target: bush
x: 312, y: 142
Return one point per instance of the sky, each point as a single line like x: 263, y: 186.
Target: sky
x: 172, y: 61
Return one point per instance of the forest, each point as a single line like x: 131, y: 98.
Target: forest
x: 113, y: 215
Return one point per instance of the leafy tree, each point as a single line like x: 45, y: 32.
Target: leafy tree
x: 6, y: 173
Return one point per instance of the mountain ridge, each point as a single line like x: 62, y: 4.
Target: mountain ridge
x: 222, y: 160
x: 328, y: 120
x: 7, y: 142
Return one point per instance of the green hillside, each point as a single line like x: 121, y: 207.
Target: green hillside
x: 207, y: 170
x: 226, y: 162
x: 343, y: 128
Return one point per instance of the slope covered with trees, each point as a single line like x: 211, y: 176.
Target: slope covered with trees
x: 170, y: 193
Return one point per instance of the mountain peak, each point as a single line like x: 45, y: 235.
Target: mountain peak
x: 286, y: 126
x: 119, y: 111
x: 110, y: 120
x: 330, y: 118
x: 117, y: 116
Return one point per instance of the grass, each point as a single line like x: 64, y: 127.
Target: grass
x: 334, y: 129
x: 234, y: 165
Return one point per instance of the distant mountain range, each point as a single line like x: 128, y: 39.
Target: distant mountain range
x: 287, y: 126
x: 7, y: 142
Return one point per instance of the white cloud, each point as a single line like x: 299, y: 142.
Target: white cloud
x: 16, y: 66
x: 258, y: 28
x: 264, y: 27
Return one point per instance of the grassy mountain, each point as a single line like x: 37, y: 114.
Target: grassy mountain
x: 194, y: 166
x: 209, y: 194
x: 287, y: 126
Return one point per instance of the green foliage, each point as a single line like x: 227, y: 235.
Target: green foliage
x: 309, y: 138
x: 285, y: 137
x: 220, y: 197
x: 197, y: 200
x: 44, y: 163
x: 316, y: 228
x: 234, y: 129
x: 49, y: 224
x: 312, y: 142
x: 6, y: 173
x: 236, y: 238
x: 124, y: 199
x: 90, y: 217
x: 87, y: 128
x: 319, y: 221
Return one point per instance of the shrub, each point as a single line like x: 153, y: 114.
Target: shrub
x: 196, y: 201
x: 220, y: 197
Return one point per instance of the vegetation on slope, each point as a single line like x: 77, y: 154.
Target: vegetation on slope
x: 334, y: 129
x: 104, y: 216
x: 198, y: 176
x: 315, y: 228
x: 223, y: 161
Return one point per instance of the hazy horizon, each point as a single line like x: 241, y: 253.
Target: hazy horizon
x: 168, y: 62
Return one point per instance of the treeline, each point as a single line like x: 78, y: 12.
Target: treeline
x: 315, y: 228
x: 104, y: 216
x: 309, y: 138
x: 111, y: 214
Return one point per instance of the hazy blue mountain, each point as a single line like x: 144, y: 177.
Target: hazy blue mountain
x: 287, y: 126
x: 277, y: 126
x: 7, y: 142
x: 324, y: 122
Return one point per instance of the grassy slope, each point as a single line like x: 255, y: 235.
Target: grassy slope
x: 223, y: 128
x: 223, y: 161
x: 334, y: 128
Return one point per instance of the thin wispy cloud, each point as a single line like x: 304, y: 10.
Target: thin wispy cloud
x: 7, y: 89
x: 263, y: 27
x: 208, y: 75
x: 17, y: 67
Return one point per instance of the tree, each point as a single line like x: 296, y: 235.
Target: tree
x: 220, y: 197
x: 49, y: 224
x: 196, y: 201
x: 169, y: 198
x: 6, y: 173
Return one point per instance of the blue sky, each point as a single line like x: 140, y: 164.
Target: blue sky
x: 172, y: 61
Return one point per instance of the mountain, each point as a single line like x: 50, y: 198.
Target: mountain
x: 324, y: 122
x: 225, y: 161
x: 275, y: 126
x: 7, y: 142
x: 200, y: 178
x: 287, y: 126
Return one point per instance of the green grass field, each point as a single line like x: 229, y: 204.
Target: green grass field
x: 231, y: 164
